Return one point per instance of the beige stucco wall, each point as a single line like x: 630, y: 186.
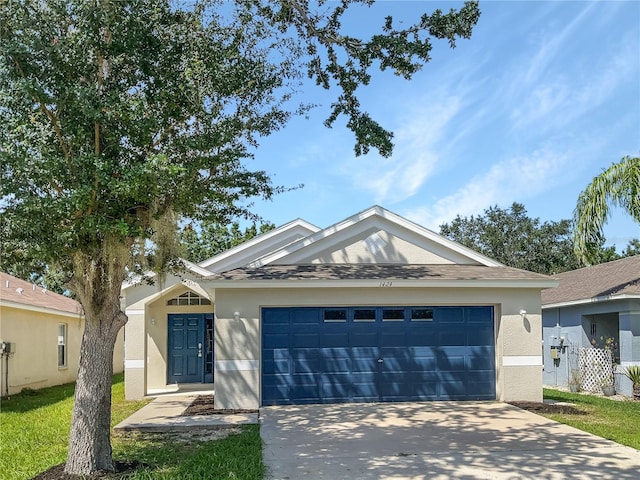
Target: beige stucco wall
x: 34, y: 334
x: 391, y: 249
x: 237, y: 341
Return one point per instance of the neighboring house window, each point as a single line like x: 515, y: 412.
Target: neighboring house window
x: 189, y: 298
x: 594, y: 328
x: 62, y: 345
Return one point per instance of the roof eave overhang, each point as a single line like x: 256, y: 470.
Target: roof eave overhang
x: 380, y: 283
x: 586, y: 301
x: 35, y: 308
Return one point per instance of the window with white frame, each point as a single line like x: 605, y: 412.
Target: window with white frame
x: 189, y: 298
x: 62, y: 345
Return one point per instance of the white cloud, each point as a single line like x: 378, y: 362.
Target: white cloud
x: 515, y: 178
x: 554, y: 92
x: 416, y: 153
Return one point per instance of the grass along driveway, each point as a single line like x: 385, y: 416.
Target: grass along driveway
x: 612, y: 419
x: 35, y: 432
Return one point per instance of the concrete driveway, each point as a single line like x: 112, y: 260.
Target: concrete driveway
x: 437, y: 440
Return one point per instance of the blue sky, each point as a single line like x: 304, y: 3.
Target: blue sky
x: 544, y: 96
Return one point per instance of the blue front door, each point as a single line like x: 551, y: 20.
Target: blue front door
x: 187, y: 349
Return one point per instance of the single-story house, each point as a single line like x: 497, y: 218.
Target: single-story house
x: 373, y: 308
x: 40, y: 335
x: 590, y: 306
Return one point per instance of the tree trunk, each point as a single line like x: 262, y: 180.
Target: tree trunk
x: 98, y: 276
x: 90, y: 437
x: 636, y: 391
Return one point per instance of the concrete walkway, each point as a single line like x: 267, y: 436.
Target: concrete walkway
x: 163, y: 414
x: 437, y: 440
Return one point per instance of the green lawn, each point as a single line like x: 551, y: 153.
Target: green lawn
x: 34, y: 430
x: 35, y: 425
x: 616, y: 420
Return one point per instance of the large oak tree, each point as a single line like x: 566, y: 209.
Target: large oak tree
x: 119, y: 118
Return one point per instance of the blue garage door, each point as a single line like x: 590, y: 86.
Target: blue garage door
x: 371, y: 354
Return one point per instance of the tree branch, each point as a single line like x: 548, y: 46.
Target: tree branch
x: 52, y: 118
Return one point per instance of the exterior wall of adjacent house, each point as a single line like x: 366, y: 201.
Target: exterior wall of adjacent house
x: 618, y: 319
x: 33, y: 334
x: 238, y: 349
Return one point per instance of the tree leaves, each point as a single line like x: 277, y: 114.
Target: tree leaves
x: 513, y: 238
x: 617, y: 186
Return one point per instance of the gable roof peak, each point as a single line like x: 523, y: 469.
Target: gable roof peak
x: 380, y: 212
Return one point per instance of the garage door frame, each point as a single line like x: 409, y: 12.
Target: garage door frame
x: 452, y: 382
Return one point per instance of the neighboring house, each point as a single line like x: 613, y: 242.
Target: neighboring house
x: 42, y: 331
x: 590, y: 306
x: 373, y: 308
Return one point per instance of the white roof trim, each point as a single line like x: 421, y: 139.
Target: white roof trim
x: 376, y: 210
x: 299, y: 222
x: 585, y: 301
x: 190, y: 266
x: 197, y: 269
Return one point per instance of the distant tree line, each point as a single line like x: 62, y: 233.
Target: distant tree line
x: 202, y: 240
x: 515, y: 239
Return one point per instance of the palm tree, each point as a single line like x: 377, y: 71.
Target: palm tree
x: 617, y: 186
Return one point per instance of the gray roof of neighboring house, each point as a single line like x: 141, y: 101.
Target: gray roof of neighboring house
x: 14, y: 290
x: 323, y: 271
x: 617, y: 278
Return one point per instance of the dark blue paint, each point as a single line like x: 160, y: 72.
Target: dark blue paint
x: 187, y: 349
x: 308, y: 360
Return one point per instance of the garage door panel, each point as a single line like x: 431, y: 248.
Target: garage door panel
x: 448, y: 315
x: 338, y: 339
x: 305, y: 340
x: 452, y: 336
x: 478, y: 315
x: 480, y: 358
x: 417, y: 338
x: 364, y: 339
x: 364, y: 364
x: 277, y: 395
x: 452, y: 388
x: 424, y: 364
x: 278, y: 366
x: 275, y: 340
x: 445, y: 353
x: 306, y: 316
x: 346, y: 386
x: 479, y: 335
x: 305, y: 393
x: 336, y: 365
x: 393, y: 339
x: 451, y: 363
x: 306, y: 364
x: 484, y: 390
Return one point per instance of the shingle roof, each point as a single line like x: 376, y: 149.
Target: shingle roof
x: 19, y: 291
x: 620, y: 277
x: 379, y: 272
